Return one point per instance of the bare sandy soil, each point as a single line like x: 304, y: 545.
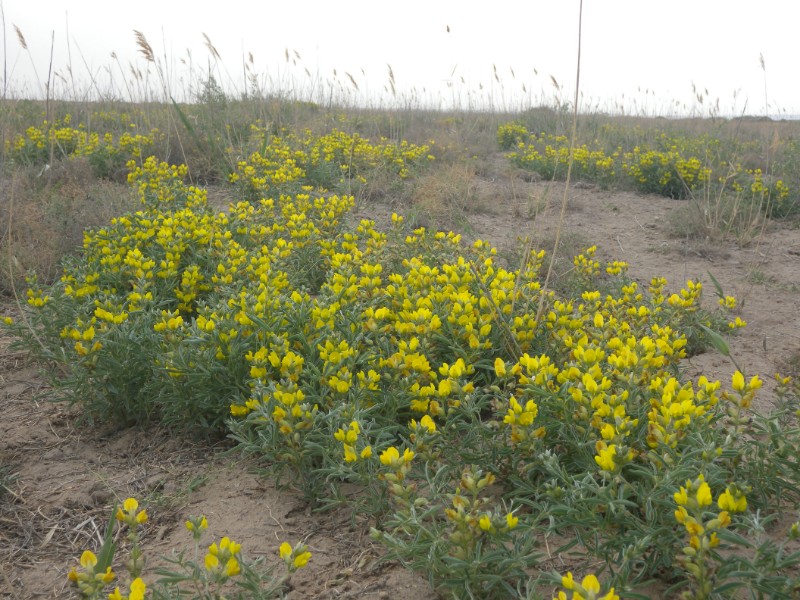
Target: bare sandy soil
x: 68, y: 476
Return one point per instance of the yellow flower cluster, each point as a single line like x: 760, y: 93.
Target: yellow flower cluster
x: 33, y: 146
x: 665, y: 172
x: 130, y: 514
x: 470, y: 516
x: 286, y: 161
x: 295, y: 557
x: 136, y: 591
x: 588, y: 589
x: 90, y: 579
x: 694, y: 501
x: 410, y: 327
x: 160, y: 184
x: 349, y: 438
x: 739, y: 402
x: 509, y: 135
x: 666, y: 164
x: 549, y: 155
x: 222, y: 561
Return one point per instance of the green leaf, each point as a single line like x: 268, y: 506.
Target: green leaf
x: 185, y: 122
x: 716, y: 340
x: 106, y: 554
x: 718, y: 287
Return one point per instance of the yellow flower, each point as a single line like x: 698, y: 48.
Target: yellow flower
x: 724, y: 519
x: 366, y: 452
x: 194, y: 524
x: 567, y: 581
x: 128, y: 513
x: 605, y: 457
x: 229, y: 545
x: 285, y: 550
x: 295, y: 558
x: 211, y: 561
x: 350, y: 453
x: 137, y: 591
x: 737, y: 323
x: 390, y: 456
x: 301, y: 560
x: 88, y: 560
x: 704, y: 494
x: 681, y: 514
x: 107, y: 576
x: 499, y: 367
x: 426, y: 422
x: 237, y: 410
x: 591, y: 584
x: 511, y: 520
x: 738, y: 381
x: 232, y: 567
x: 485, y: 523
x: 732, y: 502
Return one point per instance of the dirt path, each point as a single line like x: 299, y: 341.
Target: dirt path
x: 68, y: 476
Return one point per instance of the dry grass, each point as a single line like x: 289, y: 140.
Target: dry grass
x: 712, y: 218
x: 43, y: 215
x: 443, y: 195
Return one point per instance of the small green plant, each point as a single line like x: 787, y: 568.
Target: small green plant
x: 224, y: 572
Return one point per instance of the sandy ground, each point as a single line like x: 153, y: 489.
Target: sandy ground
x: 68, y: 476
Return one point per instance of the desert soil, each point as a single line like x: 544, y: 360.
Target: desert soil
x: 67, y: 475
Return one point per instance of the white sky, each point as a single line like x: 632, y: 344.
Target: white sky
x: 644, y: 55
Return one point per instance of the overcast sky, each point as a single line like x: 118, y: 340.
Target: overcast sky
x: 643, y: 55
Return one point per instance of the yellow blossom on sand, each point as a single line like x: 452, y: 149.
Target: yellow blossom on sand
x: 738, y: 381
x: 285, y: 550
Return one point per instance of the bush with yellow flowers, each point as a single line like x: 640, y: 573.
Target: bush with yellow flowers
x: 671, y: 165
x: 107, y: 151
x: 336, y: 161
x: 509, y: 135
x: 479, y: 413
x: 548, y: 155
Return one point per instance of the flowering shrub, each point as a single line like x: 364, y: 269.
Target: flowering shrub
x: 671, y: 166
x: 548, y: 155
x: 336, y: 160
x: 510, y: 135
x: 107, y: 152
